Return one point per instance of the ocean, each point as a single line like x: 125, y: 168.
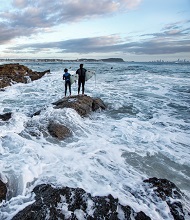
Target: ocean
x: 143, y: 133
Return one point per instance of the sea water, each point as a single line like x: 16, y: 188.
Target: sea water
x: 143, y: 133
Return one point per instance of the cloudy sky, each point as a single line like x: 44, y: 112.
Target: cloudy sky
x: 139, y: 30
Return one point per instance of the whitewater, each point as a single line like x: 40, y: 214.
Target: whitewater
x: 143, y: 133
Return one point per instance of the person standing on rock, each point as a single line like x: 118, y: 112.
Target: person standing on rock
x: 66, y: 77
x: 81, y: 78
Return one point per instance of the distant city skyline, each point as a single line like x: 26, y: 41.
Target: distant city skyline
x: 134, y: 30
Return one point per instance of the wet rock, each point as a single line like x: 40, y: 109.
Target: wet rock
x: 3, y: 191
x: 16, y: 73
x: 170, y: 193
x: 82, y: 104
x: 98, y: 104
x: 36, y: 113
x: 58, y: 131
x: 6, y: 116
x: 75, y: 203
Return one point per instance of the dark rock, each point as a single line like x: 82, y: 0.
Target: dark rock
x: 36, y: 113
x: 141, y: 216
x: 82, y: 104
x: 16, y: 73
x: 64, y: 203
x: 170, y: 193
x: 6, y: 116
x: 59, y: 131
x: 3, y: 191
x: 98, y: 104
x: 37, y: 75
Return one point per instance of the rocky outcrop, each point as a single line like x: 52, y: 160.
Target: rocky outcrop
x: 3, y: 191
x: 16, y: 73
x: 113, y: 60
x: 75, y: 203
x: 58, y: 130
x: 82, y: 104
x: 170, y: 193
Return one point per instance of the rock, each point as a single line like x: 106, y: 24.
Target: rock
x: 98, y: 104
x: 15, y: 73
x: 6, y: 116
x: 3, y: 191
x: 36, y: 113
x: 75, y: 203
x: 82, y: 104
x: 168, y: 192
x: 58, y: 131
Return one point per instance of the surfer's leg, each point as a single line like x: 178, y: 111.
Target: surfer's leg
x: 83, y: 83
x: 79, y: 83
x: 69, y: 87
x: 65, y: 88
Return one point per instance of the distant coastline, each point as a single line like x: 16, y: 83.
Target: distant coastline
x: 63, y: 60
x: 116, y: 60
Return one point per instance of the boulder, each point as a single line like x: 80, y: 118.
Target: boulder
x: 83, y: 104
x: 16, y: 73
x: 3, y: 191
x: 58, y: 131
x: 75, y: 203
x: 6, y: 116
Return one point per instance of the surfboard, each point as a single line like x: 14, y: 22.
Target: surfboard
x: 89, y: 74
x: 74, y: 76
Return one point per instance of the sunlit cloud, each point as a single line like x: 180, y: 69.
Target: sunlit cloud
x: 35, y: 15
x: 113, y: 43
x: 41, y: 18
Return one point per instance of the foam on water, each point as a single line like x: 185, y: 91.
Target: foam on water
x: 140, y: 135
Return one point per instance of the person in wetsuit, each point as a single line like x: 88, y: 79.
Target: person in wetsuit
x: 81, y: 78
x: 66, y: 77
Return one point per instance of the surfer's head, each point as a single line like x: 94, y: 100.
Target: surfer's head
x: 65, y: 70
x: 81, y: 65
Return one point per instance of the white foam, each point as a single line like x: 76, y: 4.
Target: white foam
x: 108, y: 150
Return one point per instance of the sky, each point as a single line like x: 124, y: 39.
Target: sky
x: 134, y: 30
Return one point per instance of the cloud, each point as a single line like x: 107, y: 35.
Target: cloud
x: 173, y: 38
x: 20, y: 3
x: 82, y: 45
x: 173, y: 30
x: 130, y: 4
x: 28, y: 17
x: 110, y: 44
x: 154, y: 47
x: 8, y: 34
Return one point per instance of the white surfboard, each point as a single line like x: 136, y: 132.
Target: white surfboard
x: 74, y: 76
x: 89, y: 74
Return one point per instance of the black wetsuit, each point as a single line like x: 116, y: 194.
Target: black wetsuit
x: 81, y: 79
